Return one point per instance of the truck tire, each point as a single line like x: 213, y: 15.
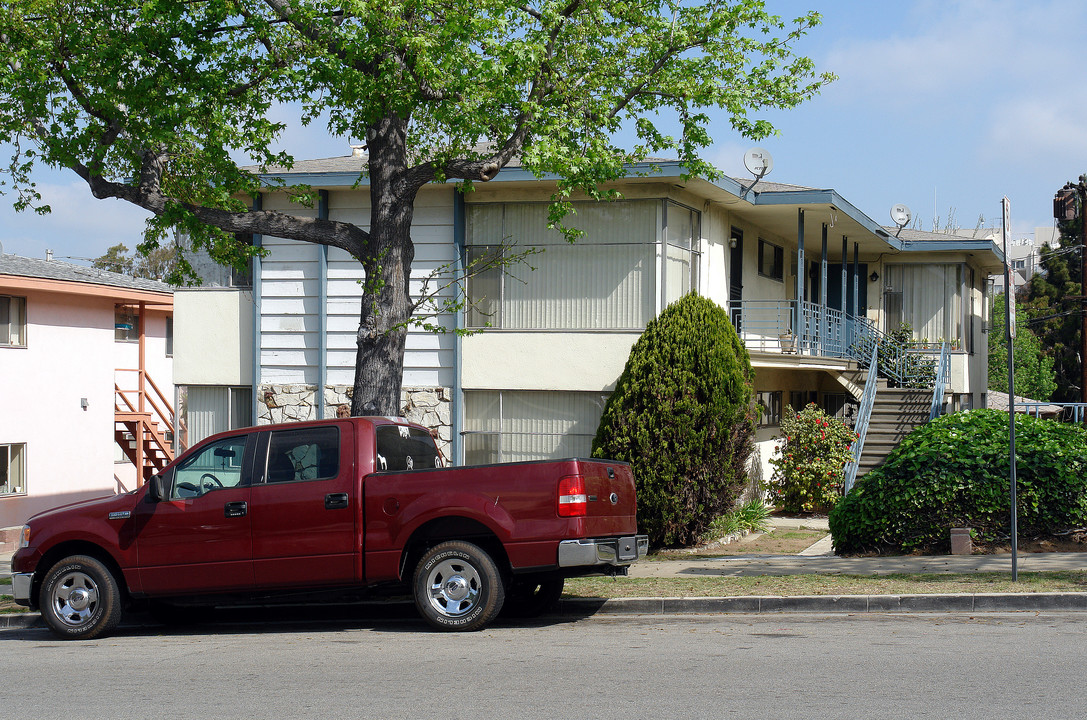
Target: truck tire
x: 457, y: 587
x: 533, y: 596
x: 80, y: 598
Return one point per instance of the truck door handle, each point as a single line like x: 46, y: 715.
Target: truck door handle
x: 335, y: 501
x: 235, y: 509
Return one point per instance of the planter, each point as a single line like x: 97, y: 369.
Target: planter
x: 788, y: 342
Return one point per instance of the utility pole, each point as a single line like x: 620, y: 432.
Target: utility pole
x: 1068, y: 204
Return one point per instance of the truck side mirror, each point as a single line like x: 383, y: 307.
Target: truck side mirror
x: 157, y: 490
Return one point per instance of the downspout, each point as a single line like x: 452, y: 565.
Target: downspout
x: 322, y: 310
x: 456, y: 451
x: 258, y: 241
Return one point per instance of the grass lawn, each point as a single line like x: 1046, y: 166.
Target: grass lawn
x: 791, y: 585
x: 780, y: 541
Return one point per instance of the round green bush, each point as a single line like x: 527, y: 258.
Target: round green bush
x: 954, y: 472
x: 682, y: 416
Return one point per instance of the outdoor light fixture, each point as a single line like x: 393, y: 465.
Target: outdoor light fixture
x: 732, y: 243
x: 874, y: 276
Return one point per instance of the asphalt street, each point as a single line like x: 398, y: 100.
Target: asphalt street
x: 603, y: 667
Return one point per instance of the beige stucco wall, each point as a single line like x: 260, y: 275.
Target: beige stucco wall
x: 214, y: 326
x: 588, y: 361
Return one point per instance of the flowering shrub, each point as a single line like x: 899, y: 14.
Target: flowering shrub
x: 809, y: 459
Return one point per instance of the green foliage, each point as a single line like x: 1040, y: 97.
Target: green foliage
x: 154, y: 265
x: 682, y: 415
x: 954, y: 472
x: 1052, y: 312
x: 752, y: 516
x: 1034, y: 376
x: 917, y: 370
x: 809, y: 460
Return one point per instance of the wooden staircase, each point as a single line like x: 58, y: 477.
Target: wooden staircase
x: 895, y: 413
x: 143, y: 423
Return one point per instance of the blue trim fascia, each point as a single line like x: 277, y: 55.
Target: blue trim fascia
x: 456, y: 413
x: 322, y: 310
x: 964, y: 245
x: 258, y: 241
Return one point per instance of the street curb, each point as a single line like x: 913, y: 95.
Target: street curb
x: 934, y: 603
x: 762, y: 604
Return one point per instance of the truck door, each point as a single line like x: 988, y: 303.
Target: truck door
x: 199, y: 539
x: 304, y: 507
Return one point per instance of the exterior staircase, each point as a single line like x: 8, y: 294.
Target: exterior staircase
x: 895, y: 412
x: 143, y: 424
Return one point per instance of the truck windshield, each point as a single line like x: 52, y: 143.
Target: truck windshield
x: 400, y: 447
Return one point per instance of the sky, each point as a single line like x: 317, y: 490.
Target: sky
x: 946, y: 106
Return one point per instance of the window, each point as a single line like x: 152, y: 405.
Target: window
x: 204, y: 410
x: 633, y: 257
x: 12, y: 321
x: 242, y: 278
x: 306, y: 454
x: 513, y: 425
x: 126, y: 324
x: 12, y: 469
x: 169, y: 336
x: 770, y: 404
x: 930, y: 297
x: 399, y: 447
x: 219, y: 465
x: 771, y: 261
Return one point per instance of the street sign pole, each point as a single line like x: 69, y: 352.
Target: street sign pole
x: 1009, y: 334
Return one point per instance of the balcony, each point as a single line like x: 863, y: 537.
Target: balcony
x: 802, y: 328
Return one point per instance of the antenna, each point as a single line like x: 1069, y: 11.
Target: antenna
x: 759, y: 162
x: 901, y: 216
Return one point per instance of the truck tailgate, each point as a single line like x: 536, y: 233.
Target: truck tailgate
x: 611, y: 508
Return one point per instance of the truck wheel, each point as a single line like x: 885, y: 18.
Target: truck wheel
x: 457, y: 587
x: 532, y: 597
x: 80, y: 599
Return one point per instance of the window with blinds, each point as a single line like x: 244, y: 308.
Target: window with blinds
x: 633, y: 257
x: 512, y: 426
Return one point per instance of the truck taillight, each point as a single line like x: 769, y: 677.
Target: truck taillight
x: 573, y: 502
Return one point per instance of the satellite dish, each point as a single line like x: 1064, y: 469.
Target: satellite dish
x: 758, y: 162
x: 901, y: 215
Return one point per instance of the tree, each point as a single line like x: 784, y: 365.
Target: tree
x: 155, y: 265
x: 151, y: 102
x: 682, y: 415
x: 1034, y: 376
x: 1053, y: 314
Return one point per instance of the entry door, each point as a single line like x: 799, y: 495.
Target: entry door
x: 199, y: 540
x: 736, y: 276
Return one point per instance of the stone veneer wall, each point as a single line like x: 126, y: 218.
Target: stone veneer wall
x: 430, y: 407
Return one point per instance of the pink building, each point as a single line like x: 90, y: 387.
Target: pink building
x: 86, y: 370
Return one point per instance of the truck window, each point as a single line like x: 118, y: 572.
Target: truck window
x: 304, y: 454
x: 400, y: 447
x: 216, y: 466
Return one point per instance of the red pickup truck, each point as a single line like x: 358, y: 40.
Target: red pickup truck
x: 330, y: 505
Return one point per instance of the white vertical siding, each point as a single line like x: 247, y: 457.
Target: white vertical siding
x: 290, y: 296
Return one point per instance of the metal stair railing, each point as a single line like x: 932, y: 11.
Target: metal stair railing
x: 943, y: 371
x: 864, y: 414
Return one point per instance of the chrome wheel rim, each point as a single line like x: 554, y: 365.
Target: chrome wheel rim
x: 454, y: 587
x: 75, y: 598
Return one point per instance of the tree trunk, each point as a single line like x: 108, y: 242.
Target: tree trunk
x: 386, y: 303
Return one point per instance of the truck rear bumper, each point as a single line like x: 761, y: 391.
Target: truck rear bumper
x: 20, y: 587
x: 603, y: 551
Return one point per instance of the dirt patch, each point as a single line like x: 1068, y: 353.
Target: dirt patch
x: 780, y: 541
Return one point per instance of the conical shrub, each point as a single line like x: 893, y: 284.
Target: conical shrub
x: 682, y: 416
